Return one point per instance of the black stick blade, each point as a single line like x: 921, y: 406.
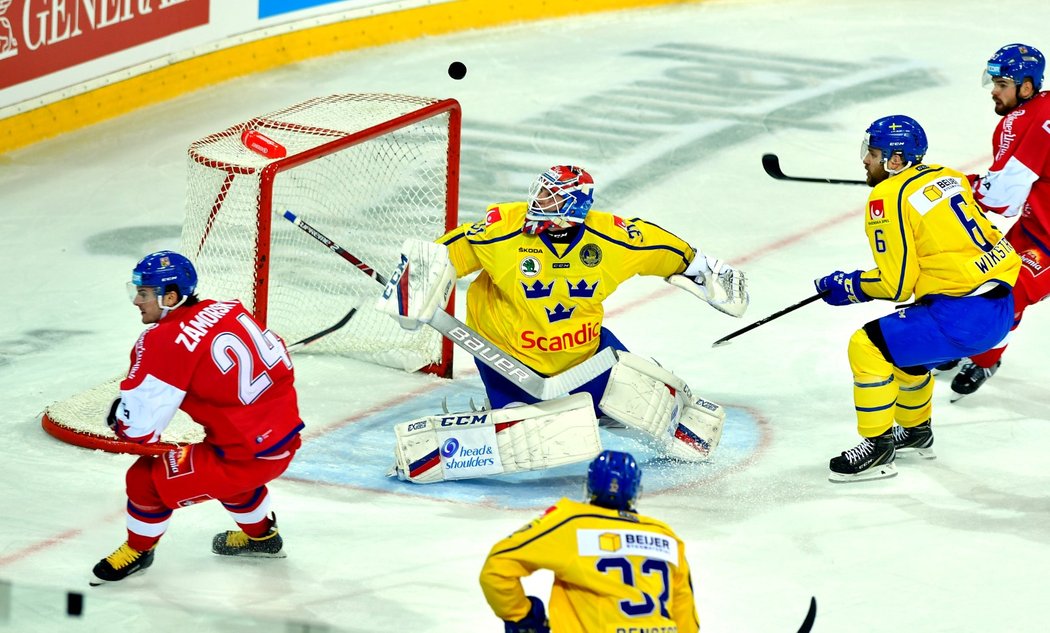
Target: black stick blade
x: 771, y: 164
x: 811, y: 615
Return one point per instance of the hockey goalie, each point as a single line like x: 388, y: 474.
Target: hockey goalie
x: 546, y: 265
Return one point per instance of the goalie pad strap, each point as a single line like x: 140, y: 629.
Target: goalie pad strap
x: 493, y: 442
x: 647, y: 397
x: 421, y: 284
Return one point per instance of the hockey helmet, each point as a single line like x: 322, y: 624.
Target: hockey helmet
x: 614, y: 480
x: 896, y: 134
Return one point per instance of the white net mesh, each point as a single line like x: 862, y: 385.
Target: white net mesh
x: 366, y: 196
x: 366, y: 170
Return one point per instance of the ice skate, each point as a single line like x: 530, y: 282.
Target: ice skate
x: 970, y: 378
x: 871, y: 459
x: 121, y: 564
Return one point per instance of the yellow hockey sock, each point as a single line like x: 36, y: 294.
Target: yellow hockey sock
x: 915, y: 400
x: 874, y: 386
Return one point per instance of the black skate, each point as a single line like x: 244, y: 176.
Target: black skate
x: 237, y: 543
x: 915, y: 440
x: 970, y: 378
x: 871, y: 459
x: 121, y: 564
x: 946, y: 366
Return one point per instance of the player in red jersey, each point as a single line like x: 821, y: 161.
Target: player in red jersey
x: 1018, y: 182
x: 213, y: 361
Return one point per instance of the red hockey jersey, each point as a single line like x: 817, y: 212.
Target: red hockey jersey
x: 1019, y: 178
x: 213, y: 361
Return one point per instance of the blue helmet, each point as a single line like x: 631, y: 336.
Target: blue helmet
x: 896, y: 134
x: 614, y: 480
x: 1017, y: 62
x: 571, y: 187
x: 163, y: 269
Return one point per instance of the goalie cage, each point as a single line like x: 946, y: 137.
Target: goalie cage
x: 369, y: 168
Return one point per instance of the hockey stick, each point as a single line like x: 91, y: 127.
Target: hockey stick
x: 481, y: 348
x: 771, y: 164
x: 776, y: 315
x: 325, y: 332
x: 811, y: 615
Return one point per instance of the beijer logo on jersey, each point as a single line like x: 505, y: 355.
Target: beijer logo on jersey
x: 585, y: 334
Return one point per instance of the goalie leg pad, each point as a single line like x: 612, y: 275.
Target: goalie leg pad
x: 647, y: 397
x: 421, y: 284
x: 484, y: 443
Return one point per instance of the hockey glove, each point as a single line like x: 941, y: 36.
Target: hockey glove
x: 111, y: 419
x: 534, y: 622
x: 420, y: 286
x: 716, y: 282
x: 840, y: 289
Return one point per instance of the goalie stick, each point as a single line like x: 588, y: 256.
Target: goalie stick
x: 771, y: 164
x: 776, y: 315
x: 478, y: 346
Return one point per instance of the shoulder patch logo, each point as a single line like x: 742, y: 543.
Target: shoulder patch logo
x: 591, y: 255
x: 493, y: 216
x: 876, y: 210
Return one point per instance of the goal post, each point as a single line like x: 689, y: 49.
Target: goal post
x: 367, y: 169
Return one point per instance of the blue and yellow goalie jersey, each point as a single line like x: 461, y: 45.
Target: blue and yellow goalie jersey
x: 542, y: 301
x: 614, y: 571
x: 929, y: 237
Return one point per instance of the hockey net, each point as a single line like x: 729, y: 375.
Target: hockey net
x: 368, y: 170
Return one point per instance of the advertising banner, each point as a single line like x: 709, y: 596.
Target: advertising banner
x: 38, y: 37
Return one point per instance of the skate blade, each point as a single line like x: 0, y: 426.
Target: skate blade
x: 956, y: 396
x: 246, y: 555
x: 885, y: 471
x: 921, y: 453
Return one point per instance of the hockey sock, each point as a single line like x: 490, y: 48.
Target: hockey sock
x: 915, y: 399
x: 874, y: 386
x: 250, y: 511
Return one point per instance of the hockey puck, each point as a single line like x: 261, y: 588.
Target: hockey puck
x: 457, y: 70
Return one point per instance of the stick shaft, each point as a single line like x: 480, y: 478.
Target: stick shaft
x: 775, y: 315
x: 771, y: 163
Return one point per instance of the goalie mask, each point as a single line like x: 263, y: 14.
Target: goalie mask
x: 614, y: 481
x: 560, y: 196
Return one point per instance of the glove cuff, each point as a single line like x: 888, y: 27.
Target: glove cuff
x: 851, y: 284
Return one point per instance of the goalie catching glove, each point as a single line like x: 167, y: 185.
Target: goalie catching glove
x: 421, y: 284
x: 716, y: 282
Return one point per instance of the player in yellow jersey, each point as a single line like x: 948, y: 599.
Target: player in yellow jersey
x: 614, y: 569
x: 546, y: 265
x: 932, y: 242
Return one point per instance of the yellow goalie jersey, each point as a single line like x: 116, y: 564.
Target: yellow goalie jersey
x: 929, y: 237
x: 542, y: 301
x: 613, y: 572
